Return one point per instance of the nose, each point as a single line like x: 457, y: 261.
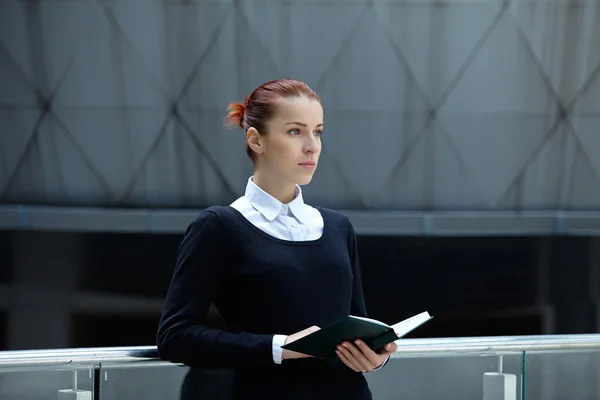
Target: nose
x: 312, y: 145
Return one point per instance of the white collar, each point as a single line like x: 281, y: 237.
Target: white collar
x: 270, y: 207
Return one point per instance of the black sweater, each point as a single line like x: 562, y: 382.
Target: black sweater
x: 261, y: 285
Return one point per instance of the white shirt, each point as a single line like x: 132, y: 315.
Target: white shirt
x: 294, y: 221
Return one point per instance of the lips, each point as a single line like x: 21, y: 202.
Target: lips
x: 308, y: 163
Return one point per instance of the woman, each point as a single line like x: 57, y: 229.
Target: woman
x: 276, y: 268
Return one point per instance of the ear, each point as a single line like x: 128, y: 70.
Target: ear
x: 255, y: 140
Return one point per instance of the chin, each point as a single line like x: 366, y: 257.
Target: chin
x: 304, y: 180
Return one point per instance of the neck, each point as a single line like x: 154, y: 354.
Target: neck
x: 284, y: 192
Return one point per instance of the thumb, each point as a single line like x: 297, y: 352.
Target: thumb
x: 390, y: 348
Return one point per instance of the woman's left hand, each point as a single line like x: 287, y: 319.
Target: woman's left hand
x: 359, y: 357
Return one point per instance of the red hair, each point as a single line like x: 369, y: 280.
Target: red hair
x: 260, y: 106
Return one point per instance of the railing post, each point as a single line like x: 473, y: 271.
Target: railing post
x: 70, y: 394
x: 74, y: 394
x: 498, y: 385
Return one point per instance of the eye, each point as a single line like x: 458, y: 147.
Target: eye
x: 294, y: 131
x: 318, y: 133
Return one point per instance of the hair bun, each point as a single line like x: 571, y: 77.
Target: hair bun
x: 235, y: 115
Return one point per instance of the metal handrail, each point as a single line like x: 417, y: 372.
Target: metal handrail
x: 406, y: 347
x: 498, y: 344
x: 76, y: 356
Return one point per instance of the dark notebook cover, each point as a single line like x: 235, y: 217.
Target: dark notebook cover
x: 323, y: 343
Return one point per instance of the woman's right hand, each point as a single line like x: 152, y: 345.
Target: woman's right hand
x: 288, y: 354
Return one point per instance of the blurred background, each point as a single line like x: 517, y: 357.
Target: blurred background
x: 462, y: 139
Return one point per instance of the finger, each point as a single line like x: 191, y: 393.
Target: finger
x: 391, y: 347
x: 370, y: 360
x: 350, y: 360
x: 361, y: 359
x: 351, y: 357
x: 346, y: 361
x: 388, y: 349
x: 373, y: 357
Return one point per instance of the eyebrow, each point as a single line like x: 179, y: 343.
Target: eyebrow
x: 300, y: 123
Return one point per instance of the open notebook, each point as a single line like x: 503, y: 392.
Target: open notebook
x: 373, y: 333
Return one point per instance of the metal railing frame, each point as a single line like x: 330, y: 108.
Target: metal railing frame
x: 495, y: 345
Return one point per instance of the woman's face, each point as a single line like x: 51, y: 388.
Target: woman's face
x: 292, y: 146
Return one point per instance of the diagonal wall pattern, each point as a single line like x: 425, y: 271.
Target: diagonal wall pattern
x: 454, y: 105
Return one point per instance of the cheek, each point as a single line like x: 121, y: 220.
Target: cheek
x: 283, y: 147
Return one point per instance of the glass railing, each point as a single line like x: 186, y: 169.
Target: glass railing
x: 489, y: 368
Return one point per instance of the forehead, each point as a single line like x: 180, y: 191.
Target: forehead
x: 299, y: 109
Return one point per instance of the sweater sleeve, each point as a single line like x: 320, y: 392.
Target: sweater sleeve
x: 182, y: 336
x: 357, y: 306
